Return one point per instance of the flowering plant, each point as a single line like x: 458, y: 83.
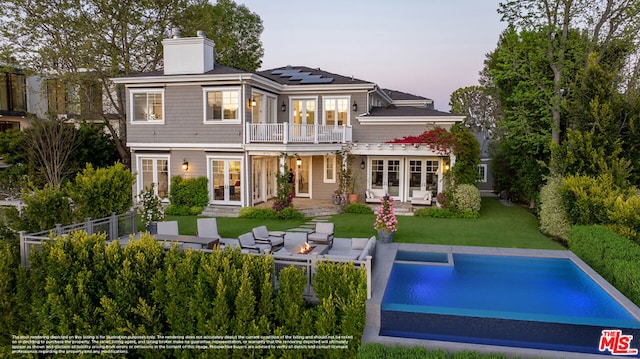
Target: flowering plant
x: 151, y: 206
x: 338, y: 197
x: 386, y: 220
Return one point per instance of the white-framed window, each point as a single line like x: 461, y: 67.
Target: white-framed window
x: 221, y: 105
x: 336, y: 111
x: 154, y: 169
x: 482, y: 171
x: 330, y: 169
x: 147, y: 106
x: 304, y: 111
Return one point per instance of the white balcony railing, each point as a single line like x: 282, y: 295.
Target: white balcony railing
x: 291, y: 133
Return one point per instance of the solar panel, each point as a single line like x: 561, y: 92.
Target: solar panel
x: 304, y: 77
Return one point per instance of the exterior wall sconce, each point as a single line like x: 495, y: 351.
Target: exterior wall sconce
x: 283, y: 107
x: 185, y: 165
x: 354, y: 106
x: 253, y: 102
x: 299, y: 161
x: 362, y: 164
x: 446, y: 167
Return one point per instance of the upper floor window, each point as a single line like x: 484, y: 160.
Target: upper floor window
x: 304, y: 111
x: 82, y: 98
x: 336, y: 111
x: 222, y: 105
x: 147, y: 106
x: 13, y: 95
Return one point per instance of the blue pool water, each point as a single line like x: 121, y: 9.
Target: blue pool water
x: 538, y: 289
x: 545, y: 303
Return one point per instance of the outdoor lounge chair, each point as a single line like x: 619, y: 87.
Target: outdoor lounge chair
x: 248, y: 241
x: 208, y: 228
x: 262, y: 235
x: 323, y: 234
x: 421, y: 198
x: 374, y: 195
x: 168, y: 227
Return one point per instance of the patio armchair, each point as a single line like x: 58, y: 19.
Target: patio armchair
x: 323, y: 234
x: 168, y: 227
x: 208, y: 228
x: 262, y: 235
x: 248, y: 242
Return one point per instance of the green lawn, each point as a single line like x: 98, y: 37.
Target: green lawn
x: 498, y: 226
x: 233, y: 227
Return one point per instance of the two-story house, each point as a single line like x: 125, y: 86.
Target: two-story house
x: 198, y: 118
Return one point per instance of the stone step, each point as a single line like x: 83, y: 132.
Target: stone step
x: 221, y: 211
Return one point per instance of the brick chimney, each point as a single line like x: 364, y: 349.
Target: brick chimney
x: 188, y: 55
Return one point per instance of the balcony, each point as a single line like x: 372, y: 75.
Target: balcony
x: 289, y: 133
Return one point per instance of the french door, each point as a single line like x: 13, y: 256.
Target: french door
x: 422, y: 175
x: 264, y: 172
x: 226, y: 181
x: 386, y: 174
x: 154, y: 170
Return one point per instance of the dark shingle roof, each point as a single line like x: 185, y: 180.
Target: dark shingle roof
x: 397, y: 95
x: 217, y: 70
x: 391, y: 111
x: 302, y: 75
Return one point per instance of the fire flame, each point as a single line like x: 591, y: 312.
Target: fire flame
x: 305, y: 248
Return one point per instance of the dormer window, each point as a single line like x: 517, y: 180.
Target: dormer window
x: 147, y: 106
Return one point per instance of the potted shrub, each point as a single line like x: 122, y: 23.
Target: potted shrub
x: 386, y: 222
x: 151, y: 209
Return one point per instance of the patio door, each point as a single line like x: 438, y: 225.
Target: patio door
x: 422, y: 175
x: 386, y: 174
x: 225, y: 179
x: 303, y: 177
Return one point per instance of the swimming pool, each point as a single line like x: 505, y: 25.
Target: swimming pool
x: 545, y: 303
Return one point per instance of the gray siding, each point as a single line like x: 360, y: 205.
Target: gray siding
x: 387, y: 133
x: 184, y: 116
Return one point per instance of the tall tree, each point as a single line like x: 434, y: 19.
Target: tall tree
x: 80, y: 40
x: 479, y: 106
x: 603, y: 21
x: 52, y: 142
x: 234, y: 29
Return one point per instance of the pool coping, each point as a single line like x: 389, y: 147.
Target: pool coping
x: 385, y: 257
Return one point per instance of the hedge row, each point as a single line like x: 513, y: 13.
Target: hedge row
x: 188, y: 196
x: 78, y: 285
x: 615, y: 258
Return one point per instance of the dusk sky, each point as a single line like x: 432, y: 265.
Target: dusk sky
x: 425, y: 47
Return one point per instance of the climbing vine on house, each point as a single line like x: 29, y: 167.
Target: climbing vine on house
x: 460, y: 141
x: 437, y: 139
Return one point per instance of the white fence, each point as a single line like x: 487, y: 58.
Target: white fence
x: 115, y: 226
x: 292, y: 133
